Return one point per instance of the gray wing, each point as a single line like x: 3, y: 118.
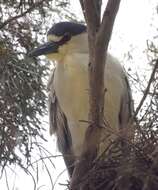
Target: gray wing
x: 59, y: 127
x: 126, y: 111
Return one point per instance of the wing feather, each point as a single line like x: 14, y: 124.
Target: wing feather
x: 126, y: 111
x: 59, y: 127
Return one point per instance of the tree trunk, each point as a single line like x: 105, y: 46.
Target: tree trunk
x: 99, y: 34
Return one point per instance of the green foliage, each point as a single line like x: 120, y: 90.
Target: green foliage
x: 22, y: 87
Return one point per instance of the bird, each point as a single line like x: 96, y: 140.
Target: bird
x: 68, y: 90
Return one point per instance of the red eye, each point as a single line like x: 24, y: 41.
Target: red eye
x: 66, y: 37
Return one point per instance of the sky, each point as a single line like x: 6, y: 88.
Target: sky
x: 132, y: 29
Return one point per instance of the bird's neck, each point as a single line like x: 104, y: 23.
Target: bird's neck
x: 71, y: 83
x: 73, y: 63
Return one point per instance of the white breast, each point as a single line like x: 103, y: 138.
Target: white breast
x: 71, y: 86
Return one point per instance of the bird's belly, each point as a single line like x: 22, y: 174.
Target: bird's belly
x: 76, y: 106
x: 78, y: 123
x: 74, y: 101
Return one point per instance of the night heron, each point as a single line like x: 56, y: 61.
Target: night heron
x: 68, y: 90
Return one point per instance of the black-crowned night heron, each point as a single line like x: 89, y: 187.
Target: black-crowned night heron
x: 68, y: 90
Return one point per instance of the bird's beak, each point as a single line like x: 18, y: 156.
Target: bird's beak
x: 45, y: 49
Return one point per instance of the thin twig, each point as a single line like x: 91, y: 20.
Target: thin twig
x: 147, y: 89
x: 20, y: 15
x: 23, y: 69
x: 6, y: 179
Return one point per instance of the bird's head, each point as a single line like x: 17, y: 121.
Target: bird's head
x: 63, y: 38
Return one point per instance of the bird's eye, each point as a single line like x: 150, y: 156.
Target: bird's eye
x: 66, y: 37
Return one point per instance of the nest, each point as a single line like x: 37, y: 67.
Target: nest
x: 136, y: 168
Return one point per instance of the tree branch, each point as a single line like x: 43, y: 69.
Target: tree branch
x: 147, y: 89
x: 91, y: 10
x: 107, y: 23
x: 20, y: 15
x: 99, y: 33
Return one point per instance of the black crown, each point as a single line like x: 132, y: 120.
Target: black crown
x: 62, y: 28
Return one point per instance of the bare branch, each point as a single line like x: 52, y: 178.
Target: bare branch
x: 99, y: 34
x: 147, y: 89
x: 91, y: 10
x: 107, y: 23
x: 82, y: 5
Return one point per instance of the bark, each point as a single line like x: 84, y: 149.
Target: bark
x: 99, y: 34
